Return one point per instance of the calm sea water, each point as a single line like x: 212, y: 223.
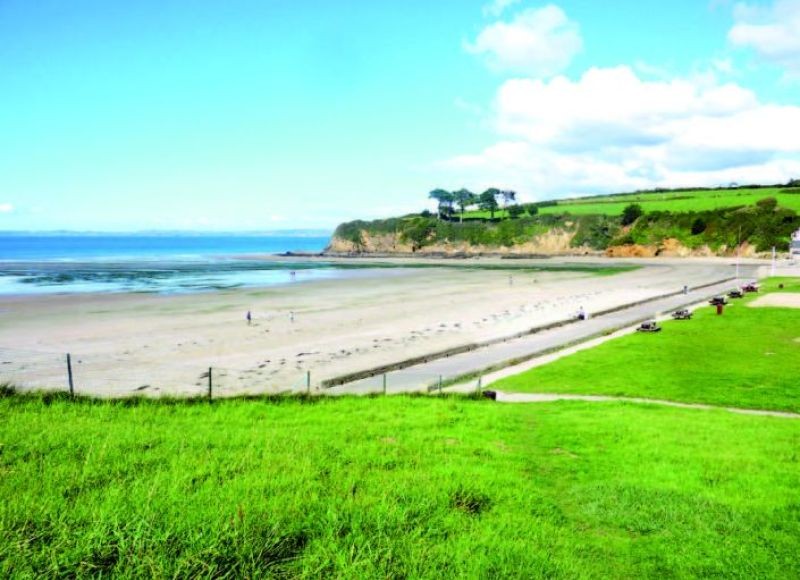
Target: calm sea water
x: 41, y: 264
x: 151, y: 247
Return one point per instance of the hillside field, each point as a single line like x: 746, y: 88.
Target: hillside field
x: 748, y: 357
x: 672, y: 201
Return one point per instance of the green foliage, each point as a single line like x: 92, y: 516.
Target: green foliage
x: 488, y: 201
x: 393, y: 487
x: 767, y: 204
x: 464, y: 198
x: 514, y: 211
x: 764, y: 225
x: 748, y: 357
x: 595, y: 231
x: 698, y: 226
x: 631, y: 213
x: 530, y: 208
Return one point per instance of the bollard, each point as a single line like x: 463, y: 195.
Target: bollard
x: 440, y: 384
x: 308, y: 382
x: 209, y: 383
x: 69, y: 376
x: 384, y: 383
x: 480, y: 383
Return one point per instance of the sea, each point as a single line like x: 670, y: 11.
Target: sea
x: 158, y: 263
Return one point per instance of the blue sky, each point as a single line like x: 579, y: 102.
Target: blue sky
x: 255, y: 115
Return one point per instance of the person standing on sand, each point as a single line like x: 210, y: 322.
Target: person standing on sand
x: 249, y: 318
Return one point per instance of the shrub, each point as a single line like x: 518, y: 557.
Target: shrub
x: 767, y: 204
x: 631, y: 213
x: 514, y: 211
x: 698, y: 226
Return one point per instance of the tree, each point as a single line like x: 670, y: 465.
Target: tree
x: 631, y: 213
x: 463, y: 199
x: 488, y: 200
x: 515, y: 211
x: 507, y: 195
x: 444, y: 199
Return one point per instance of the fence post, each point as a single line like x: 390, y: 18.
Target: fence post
x: 308, y: 382
x: 384, y: 383
x: 440, y: 384
x: 69, y: 376
x: 210, y: 384
x: 480, y: 383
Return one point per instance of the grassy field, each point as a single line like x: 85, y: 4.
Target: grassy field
x: 678, y: 201
x: 749, y: 357
x: 394, y: 487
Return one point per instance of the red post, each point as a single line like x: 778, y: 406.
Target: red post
x: 719, y: 309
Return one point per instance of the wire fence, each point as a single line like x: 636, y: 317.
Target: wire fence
x: 113, y: 376
x: 109, y: 376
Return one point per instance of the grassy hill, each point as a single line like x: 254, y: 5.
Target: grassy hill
x: 704, y: 221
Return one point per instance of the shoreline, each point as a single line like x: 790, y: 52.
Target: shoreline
x: 329, y: 328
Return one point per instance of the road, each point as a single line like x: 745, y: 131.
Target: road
x: 425, y: 376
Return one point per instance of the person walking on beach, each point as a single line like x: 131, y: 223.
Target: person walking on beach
x: 249, y: 318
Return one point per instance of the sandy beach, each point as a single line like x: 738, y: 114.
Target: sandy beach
x: 154, y: 344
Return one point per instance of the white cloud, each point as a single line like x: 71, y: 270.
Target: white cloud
x: 497, y: 7
x: 611, y: 131
x: 6, y: 208
x: 539, y: 41
x: 774, y: 32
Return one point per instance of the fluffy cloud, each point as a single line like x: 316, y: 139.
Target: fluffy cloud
x: 6, y: 208
x: 539, y: 41
x: 774, y: 33
x: 611, y: 131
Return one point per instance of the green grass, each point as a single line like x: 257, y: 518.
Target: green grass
x: 394, y: 487
x: 684, y: 201
x: 749, y: 357
x: 674, y: 201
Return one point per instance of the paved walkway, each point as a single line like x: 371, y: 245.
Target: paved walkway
x: 425, y: 376
x: 549, y: 397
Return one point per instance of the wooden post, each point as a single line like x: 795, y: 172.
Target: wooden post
x: 384, y: 383
x: 69, y: 376
x: 308, y: 382
x: 210, y: 384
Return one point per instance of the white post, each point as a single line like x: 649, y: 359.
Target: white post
x: 773, y: 260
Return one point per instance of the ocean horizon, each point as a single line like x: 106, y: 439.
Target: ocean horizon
x: 167, y: 263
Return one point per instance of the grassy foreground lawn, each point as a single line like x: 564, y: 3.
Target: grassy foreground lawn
x: 749, y: 357
x: 394, y: 487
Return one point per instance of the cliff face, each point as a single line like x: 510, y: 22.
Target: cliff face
x: 551, y: 243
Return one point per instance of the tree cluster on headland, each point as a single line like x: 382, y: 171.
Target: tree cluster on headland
x: 489, y: 200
